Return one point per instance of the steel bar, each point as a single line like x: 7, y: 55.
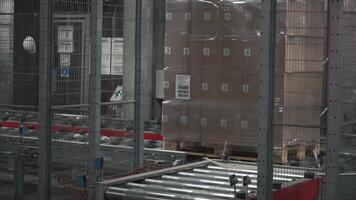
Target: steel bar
x: 19, y: 176
x: 45, y: 72
x: 96, y: 20
x: 139, y: 90
x: 18, y: 106
x: 299, y: 125
x: 265, y: 132
x: 88, y: 105
x: 334, y: 98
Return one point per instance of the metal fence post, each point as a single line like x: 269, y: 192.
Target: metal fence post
x: 265, y: 132
x: 139, y: 91
x: 96, y: 17
x: 334, y: 98
x: 45, y: 137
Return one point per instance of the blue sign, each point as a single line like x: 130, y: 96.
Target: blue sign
x: 64, y: 72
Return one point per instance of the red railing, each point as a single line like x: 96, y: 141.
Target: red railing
x: 80, y: 129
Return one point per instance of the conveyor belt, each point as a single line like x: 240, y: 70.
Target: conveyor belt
x: 207, y: 182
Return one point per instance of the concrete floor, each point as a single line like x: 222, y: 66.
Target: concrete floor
x: 7, y: 192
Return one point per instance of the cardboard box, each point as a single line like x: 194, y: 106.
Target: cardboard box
x: 252, y: 55
x: 174, y: 52
x: 193, y: 53
x: 220, y: 51
x: 170, y: 85
x: 307, y: 18
x: 181, y: 121
x: 205, y: 19
x: 211, y: 86
x: 240, y: 20
x: 233, y: 54
x: 305, y: 54
x: 250, y: 88
x: 212, y: 53
x: 231, y: 87
x: 350, y: 5
x: 178, y: 18
x: 220, y: 123
x: 303, y: 90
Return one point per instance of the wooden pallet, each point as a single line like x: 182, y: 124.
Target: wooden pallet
x: 295, y: 152
x: 211, y: 150
x: 282, y: 156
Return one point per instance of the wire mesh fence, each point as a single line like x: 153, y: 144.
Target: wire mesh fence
x: 299, y: 95
x: 211, y: 87
x: 347, y: 159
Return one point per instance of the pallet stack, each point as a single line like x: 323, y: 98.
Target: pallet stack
x: 303, y: 77
x: 212, y: 77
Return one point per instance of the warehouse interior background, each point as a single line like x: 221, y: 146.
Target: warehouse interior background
x: 178, y: 99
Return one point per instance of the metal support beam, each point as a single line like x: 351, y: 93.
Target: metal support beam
x: 19, y: 176
x: 129, y: 57
x: 45, y: 137
x: 334, y: 98
x: 139, y: 89
x: 159, y: 29
x: 265, y: 132
x: 130, y: 50
x: 96, y: 20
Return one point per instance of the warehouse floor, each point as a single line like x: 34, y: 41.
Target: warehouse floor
x: 7, y: 192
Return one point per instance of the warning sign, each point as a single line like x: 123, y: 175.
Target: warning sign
x: 112, y: 56
x: 64, y: 60
x: 182, y: 86
x: 64, y: 72
x: 65, y: 39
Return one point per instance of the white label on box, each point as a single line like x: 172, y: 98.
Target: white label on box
x: 166, y: 84
x: 226, y: 52
x: 224, y: 87
x: 187, y: 16
x: 227, y: 16
x: 203, y: 121
x: 247, y: 52
x: 206, y: 51
x: 204, y: 86
x: 64, y: 60
x: 167, y: 50
x: 280, y: 109
x: 182, y: 86
x: 244, y: 124
x: 207, y: 16
x: 277, y: 101
x: 245, y: 88
x: 223, y: 122
x: 183, y: 119
x: 186, y: 51
x: 164, y: 118
x: 65, y: 39
x: 168, y: 16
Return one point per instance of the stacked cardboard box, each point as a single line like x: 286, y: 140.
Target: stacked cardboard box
x: 212, y: 75
x: 304, y: 74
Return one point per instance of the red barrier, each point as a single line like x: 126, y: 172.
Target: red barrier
x: 308, y: 190
x: 78, y: 129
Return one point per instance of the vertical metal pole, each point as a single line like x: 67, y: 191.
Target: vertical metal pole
x: 96, y: 17
x: 128, y: 81
x: 45, y: 137
x: 159, y: 29
x: 265, y: 132
x: 19, y: 176
x: 139, y: 91
x: 334, y: 98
